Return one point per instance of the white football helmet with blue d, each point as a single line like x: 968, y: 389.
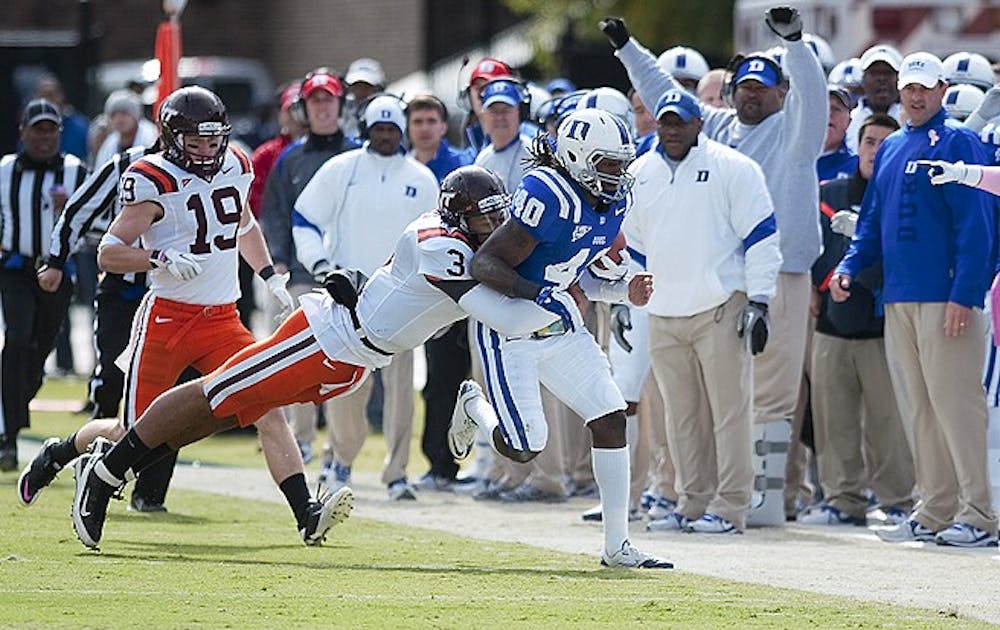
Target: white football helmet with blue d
x: 585, y: 139
x: 610, y: 100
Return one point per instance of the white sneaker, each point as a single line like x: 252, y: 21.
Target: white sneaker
x: 463, y: 429
x: 965, y: 535
x: 628, y: 557
x: 710, y: 523
x: 907, y: 531
x: 401, y: 490
x: 672, y: 522
x: 660, y: 507
x: 826, y: 514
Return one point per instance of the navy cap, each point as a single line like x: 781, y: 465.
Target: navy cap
x: 679, y: 102
x: 39, y: 110
x: 841, y: 93
x: 756, y: 68
x: 501, y: 91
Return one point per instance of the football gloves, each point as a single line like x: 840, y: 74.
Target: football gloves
x: 181, y: 265
x: 755, y: 325
x: 621, y: 321
x: 785, y: 22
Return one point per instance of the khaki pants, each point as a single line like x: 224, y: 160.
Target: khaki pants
x: 938, y: 385
x: 777, y: 372
x: 705, y: 378
x: 348, y: 424
x: 652, y: 466
x: 854, y: 406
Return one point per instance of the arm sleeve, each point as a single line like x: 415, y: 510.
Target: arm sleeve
x: 507, y: 315
x: 315, y: 209
x: 276, y: 212
x: 807, y: 104
x: 866, y: 246
x: 599, y: 290
x: 972, y: 222
x: 88, y: 202
x: 751, y: 214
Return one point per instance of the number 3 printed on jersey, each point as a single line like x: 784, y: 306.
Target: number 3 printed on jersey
x: 228, y: 210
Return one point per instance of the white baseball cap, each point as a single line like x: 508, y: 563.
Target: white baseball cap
x: 365, y: 70
x: 920, y: 67
x: 881, y: 52
x: 385, y: 109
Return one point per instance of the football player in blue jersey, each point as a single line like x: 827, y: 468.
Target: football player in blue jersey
x: 567, y: 213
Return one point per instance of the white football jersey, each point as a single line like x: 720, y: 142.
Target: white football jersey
x: 399, y: 309
x: 199, y: 217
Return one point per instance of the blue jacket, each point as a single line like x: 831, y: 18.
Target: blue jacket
x: 449, y: 158
x: 839, y: 164
x: 936, y: 242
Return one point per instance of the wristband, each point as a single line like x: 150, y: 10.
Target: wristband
x: 266, y: 272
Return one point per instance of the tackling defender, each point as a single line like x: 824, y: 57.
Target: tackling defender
x: 567, y: 211
x: 329, y: 345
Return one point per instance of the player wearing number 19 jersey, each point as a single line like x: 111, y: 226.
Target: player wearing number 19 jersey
x: 186, y: 221
x: 567, y: 212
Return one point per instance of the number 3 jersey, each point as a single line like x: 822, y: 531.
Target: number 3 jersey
x: 199, y: 217
x: 570, y: 232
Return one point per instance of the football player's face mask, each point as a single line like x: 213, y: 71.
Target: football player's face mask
x: 202, y: 150
x: 480, y: 226
x: 475, y: 201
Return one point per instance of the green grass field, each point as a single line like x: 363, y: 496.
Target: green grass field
x: 215, y: 562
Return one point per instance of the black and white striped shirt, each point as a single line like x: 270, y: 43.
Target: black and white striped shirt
x: 27, y: 213
x: 92, y: 208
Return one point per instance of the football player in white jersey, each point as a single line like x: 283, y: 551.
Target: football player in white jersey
x: 331, y: 343
x: 185, y: 220
x: 568, y: 212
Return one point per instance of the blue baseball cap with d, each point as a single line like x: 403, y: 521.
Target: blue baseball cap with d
x: 679, y: 102
x: 501, y: 91
x: 758, y: 68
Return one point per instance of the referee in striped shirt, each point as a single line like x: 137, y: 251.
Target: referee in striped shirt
x: 34, y: 186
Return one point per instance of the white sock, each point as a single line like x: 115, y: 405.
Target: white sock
x: 612, y: 475
x: 485, y: 416
x: 632, y: 435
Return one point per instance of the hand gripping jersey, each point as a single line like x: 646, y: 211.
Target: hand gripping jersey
x: 570, y: 232
x: 199, y: 217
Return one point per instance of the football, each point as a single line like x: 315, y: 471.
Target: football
x: 615, y: 253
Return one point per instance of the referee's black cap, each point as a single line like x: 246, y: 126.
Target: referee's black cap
x: 39, y: 110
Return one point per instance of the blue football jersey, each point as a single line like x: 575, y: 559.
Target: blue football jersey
x: 991, y: 138
x: 570, y: 232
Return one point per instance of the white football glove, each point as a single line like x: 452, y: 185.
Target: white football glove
x: 844, y: 222
x: 612, y: 271
x: 988, y: 109
x: 277, y: 284
x: 945, y: 172
x: 181, y: 265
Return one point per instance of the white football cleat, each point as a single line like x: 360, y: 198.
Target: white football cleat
x: 327, y: 510
x: 628, y: 557
x: 463, y: 429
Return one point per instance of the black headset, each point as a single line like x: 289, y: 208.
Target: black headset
x: 298, y: 107
x: 524, y: 96
x: 737, y: 60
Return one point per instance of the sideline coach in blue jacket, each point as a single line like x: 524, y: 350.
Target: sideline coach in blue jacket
x: 937, y: 248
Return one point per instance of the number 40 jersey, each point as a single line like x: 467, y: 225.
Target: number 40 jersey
x: 199, y: 217
x: 570, y: 232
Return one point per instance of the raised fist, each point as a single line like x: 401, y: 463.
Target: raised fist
x: 785, y: 22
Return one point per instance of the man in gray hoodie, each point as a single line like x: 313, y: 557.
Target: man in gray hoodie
x: 782, y: 128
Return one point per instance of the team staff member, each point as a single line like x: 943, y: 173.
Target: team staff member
x: 783, y: 131
x: 318, y: 106
x: 34, y: 186
x: 506, y: 153
x: 938, y: 250
x: 447, y: 354
x: 880, y: 72
x: 350, y: 215
x: 854, y: 408
x: 837, y: 161
x: 704, y: 218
